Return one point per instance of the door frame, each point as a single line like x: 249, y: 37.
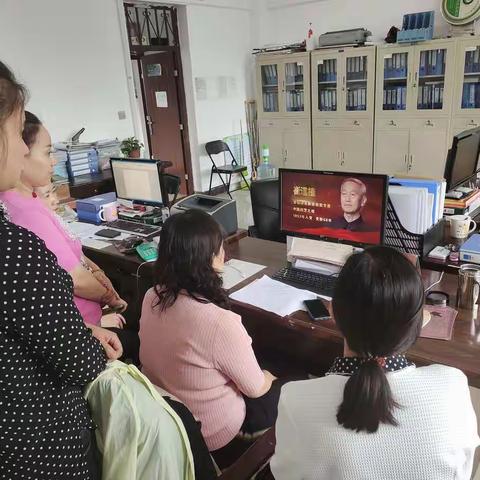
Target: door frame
x: 136, y: 55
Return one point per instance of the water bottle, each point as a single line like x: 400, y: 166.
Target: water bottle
x: 266, y: 169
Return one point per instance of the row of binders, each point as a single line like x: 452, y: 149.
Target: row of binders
x: 418, y: 202
x: 295, y: 100
x: 269, y: 75
x: 357, y: 99
x: 395, y: 98
x: 356, y: 68
x: 472, y: 61
x: 327, y: 101
x: 327, y: 71
x: 396, y: 66
x: 471, y: 95
x: 430, y: 96
x: 294, y: 73
x: 270, y: 102
x: 432, y: 62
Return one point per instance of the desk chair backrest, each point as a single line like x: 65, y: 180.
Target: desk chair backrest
x: 216, y: 147
x: 266, y: 209
x: 172, y: 186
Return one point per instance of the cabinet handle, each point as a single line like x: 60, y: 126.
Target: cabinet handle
x: 285, y: 157
x: 326, y: 123
x: 356, y: 123
x: 405, y: 158
x: 392, y: 123
x: 472, y: 124
x: 296, y: 123
x: 429, y: 123
x: 410, y: 163
x: 415, y: 80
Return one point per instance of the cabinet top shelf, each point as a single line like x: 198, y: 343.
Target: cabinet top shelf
x: 395, y: 79
x: 330, y: 82
x: 471, y: 74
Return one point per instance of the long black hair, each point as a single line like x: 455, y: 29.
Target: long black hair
x: 377, y: 305
x: 188, y: 243
x: 30, y: 128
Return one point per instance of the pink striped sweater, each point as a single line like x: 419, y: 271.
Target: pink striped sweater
x: 203, y: 355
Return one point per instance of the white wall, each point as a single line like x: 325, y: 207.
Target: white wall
x: 287, y: 20
x: 216, y: 42
x: 69, y: 55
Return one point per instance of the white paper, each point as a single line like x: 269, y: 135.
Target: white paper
x: 317, y: 250
x: 319, y: 267
x: 274, y: 296
x: 236, y: 271
x: 84, y: 230
x: 161, y: 99
x: 96, y: 244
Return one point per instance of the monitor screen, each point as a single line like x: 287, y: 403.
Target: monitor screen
x: 341, y: 206
x: 138, y: 181
x: 464, y: 157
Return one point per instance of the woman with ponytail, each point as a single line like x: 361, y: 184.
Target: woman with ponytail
x: 375, y: 415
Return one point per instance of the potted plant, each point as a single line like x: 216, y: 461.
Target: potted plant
x: 131, y: 147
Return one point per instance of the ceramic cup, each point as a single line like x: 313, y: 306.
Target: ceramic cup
x: 108, y: 212
x: 461, y: 226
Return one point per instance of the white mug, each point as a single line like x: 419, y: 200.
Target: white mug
x: 461, y: 226
x: 108, y: 212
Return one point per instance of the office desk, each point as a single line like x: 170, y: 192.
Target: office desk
x: 311, y: 346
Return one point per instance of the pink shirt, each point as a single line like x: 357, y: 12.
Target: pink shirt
x: 203, y: 355
x: 31, y: 213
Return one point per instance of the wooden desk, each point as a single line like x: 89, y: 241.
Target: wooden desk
x: 311, y: 346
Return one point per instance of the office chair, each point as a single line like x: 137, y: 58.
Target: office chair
x: 214, y: 148
x: 172, y: 186
x: 266, y: 210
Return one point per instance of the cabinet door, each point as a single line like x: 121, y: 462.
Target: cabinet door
x: 391, y: 151
x: 428, y: 152
x: 296, y: 86
x: 394, y: 79
x: 270, y: 134
x: 297, y: 145
x: 269, y: 88
x: 433, y: 77
x: 326, y: 86
x: 467, y: 84
x: 327, y: 147
x: 358, y: 80
x: 357, y: 151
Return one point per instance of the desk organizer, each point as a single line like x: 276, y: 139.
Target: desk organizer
x: 396, y: 236
x: 416, y: 27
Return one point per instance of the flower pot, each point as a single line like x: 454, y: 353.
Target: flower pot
x: 135, y: 153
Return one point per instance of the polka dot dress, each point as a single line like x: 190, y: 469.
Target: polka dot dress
x: 350, y: 365
x: 47, y: 355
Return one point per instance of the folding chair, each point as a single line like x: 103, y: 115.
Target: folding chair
x: 216, y: 147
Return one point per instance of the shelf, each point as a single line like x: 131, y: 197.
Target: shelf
x: 294, y: 84
x: 270, y: 86
x: 357, y: 81
x: 472, y: 74
x: 334, y: 82
x: 395, y: 79
x: 431, y: 76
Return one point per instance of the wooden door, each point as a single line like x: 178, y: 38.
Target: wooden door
x: 162, y: 112
x: 391, y: 151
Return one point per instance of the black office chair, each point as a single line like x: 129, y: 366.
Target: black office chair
x: 172, y: 186
x: 214, y: 148
x: 266, y: 210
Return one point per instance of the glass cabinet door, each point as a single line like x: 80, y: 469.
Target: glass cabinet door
x: 395, y: 81
x: 356, y: 83
x: 471, y: 79
x: 294, y: 87
x: 430, y: 79
x: 270, y: 84
x: 327, y: 85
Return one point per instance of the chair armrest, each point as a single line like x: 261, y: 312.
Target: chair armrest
x: 253, y: 459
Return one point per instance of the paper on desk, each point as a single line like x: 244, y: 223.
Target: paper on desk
x: 93, y: 243
x: 335, y: 253
x: 273, y: 296
x: 236, y: 271
x: 83, y: 230
x: 319, y: 267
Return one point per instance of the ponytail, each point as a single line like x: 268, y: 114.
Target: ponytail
x: 367, y: 399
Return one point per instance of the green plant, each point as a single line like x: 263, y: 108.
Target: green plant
x: 129, y: 145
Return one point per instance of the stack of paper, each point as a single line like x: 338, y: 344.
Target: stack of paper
x: 316, y: 250
x: 273, y: 296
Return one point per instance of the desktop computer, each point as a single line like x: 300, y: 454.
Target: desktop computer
x: 330, y: 206
x: 139, y: 183
x: 462, y: 159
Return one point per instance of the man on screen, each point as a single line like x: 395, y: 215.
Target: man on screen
x: 353, y: 197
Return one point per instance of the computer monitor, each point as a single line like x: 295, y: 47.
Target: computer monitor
x: 348, y: 207
x: 139, y: 181
x: 462, y: 159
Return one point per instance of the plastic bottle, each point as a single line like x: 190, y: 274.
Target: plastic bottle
x: 266, y: 169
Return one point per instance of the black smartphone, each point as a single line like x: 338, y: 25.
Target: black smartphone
x: 108, y: 233
x: 316, y: 309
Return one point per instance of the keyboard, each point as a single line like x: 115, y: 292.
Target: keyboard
x: 313, y: 281
x: 135, y: 228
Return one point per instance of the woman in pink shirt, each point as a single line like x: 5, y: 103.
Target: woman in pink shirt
x: 193, y: 345
x: 92, y: 288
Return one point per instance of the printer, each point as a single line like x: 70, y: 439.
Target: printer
x: 223, y: 210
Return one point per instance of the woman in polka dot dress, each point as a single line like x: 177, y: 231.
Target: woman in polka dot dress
x: 47, y: 355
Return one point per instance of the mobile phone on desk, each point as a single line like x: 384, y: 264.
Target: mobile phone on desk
x: 317, y: 310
